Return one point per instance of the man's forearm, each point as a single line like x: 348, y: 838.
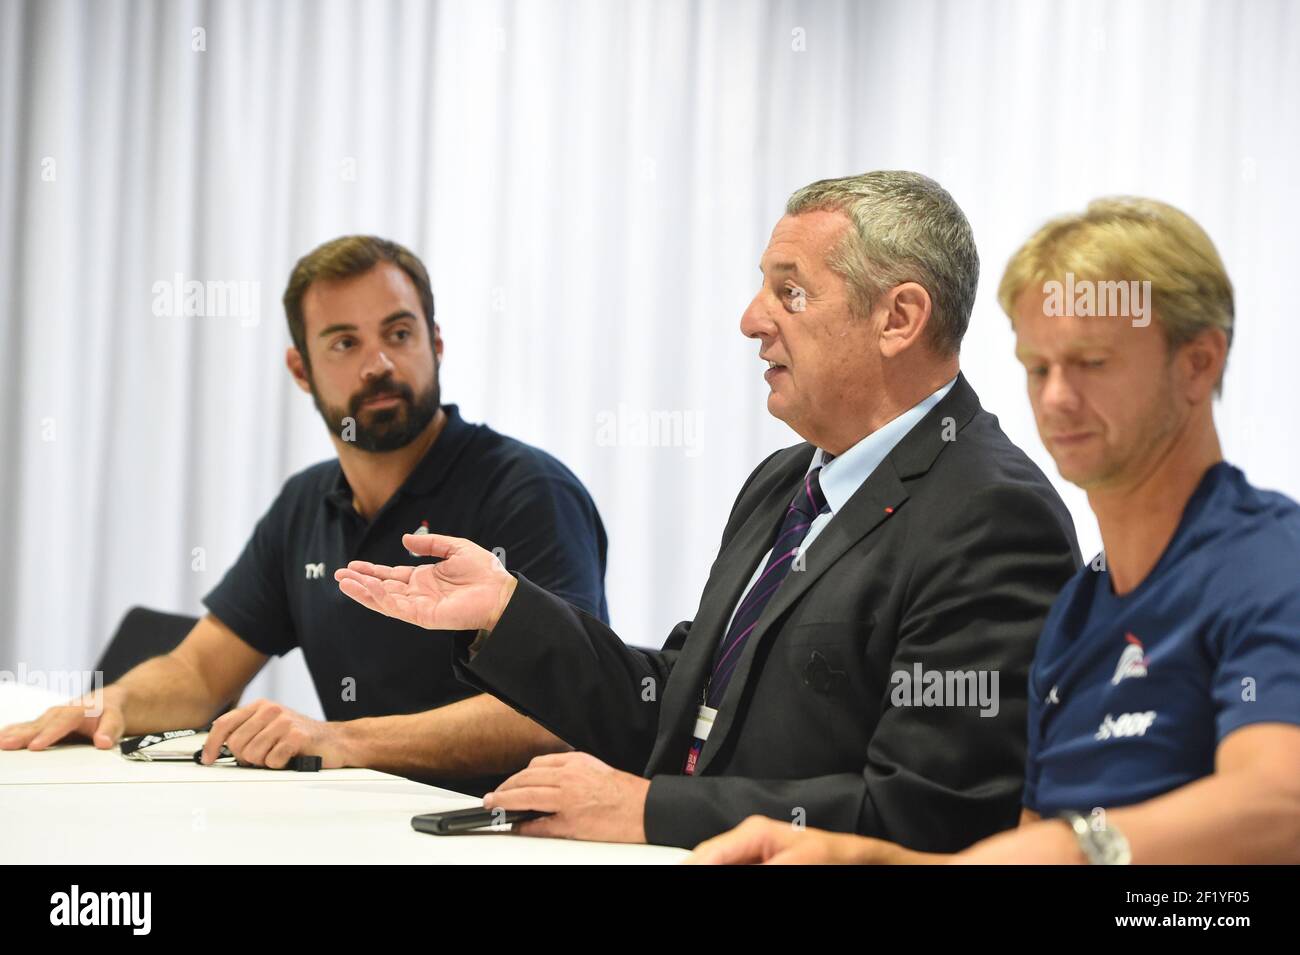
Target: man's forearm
x: 164, y: 693
x: 574, y: 675
x: 1238, y: 818
x: 479, y: 736
x: 1222, y: 819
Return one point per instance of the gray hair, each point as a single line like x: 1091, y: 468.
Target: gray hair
x: 907, y: 228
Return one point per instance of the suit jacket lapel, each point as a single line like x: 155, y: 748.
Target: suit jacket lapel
x: 882, y: 493
x: 731, y: 572
x: 866, y: 510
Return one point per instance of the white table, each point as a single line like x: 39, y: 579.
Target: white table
x: 74, y: 804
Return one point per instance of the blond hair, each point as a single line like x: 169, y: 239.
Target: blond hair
x: 1127, y: 238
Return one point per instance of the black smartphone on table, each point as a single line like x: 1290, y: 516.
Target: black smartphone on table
x: 467, y: 820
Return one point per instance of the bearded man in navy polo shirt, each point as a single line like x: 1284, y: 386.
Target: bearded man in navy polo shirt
x: 1164, y: 716
x: 367, y: 349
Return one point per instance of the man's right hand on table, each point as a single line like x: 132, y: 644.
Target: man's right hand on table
x: 97, y: 716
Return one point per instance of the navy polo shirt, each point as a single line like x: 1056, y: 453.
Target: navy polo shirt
x: 472, y: 483
x: 1130, y: 696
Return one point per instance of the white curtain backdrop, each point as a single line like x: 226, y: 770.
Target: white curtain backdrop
x: 591, y: 185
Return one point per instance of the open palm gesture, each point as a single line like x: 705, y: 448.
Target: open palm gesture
x: 467, y: 590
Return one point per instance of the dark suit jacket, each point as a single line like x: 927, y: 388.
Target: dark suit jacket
x: 949, y: 555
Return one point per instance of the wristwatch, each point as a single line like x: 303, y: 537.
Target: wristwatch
x: 1100, y: 846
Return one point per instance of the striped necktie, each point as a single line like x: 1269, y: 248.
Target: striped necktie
x: 808, y: 503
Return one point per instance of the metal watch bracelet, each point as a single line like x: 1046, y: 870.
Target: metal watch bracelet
x: 1100, y: 846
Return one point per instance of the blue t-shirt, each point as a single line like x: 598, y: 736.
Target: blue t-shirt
x: 1130, y: 696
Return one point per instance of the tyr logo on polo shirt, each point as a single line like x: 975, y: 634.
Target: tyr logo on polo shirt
x: 315, y: 571
x: 1132, y: 662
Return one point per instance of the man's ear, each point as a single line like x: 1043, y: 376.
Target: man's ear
x: 437, y: 342
x: 1203, y: 359
x: 907, y: 313
x: 298, y: 368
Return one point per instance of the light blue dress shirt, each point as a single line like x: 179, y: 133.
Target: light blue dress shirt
x: 841, y: 478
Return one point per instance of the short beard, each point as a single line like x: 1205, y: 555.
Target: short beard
x: 389, y: 428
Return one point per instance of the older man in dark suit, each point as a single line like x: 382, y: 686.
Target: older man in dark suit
x: 858, y: 661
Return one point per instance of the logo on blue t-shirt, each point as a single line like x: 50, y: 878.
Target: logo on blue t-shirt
x: 1132, y: 662
x: 1126, y: 724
